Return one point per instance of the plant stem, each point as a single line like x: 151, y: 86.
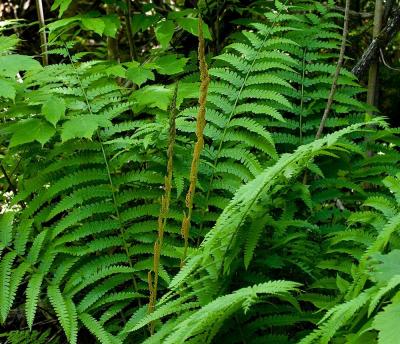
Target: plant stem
x: 165, y: 202
x: 373, y: 69
x: 43, y: 38
x: 128, y: 24
x: 200, y: 124
x: 337, y: 71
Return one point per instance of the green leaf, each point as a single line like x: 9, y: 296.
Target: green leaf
x: 141, y: 22
x: 7, y: 90
x: 82, y: 127
x: 154, y: 96
x: 170, y: 64
x: 95, y: 24
x: 62, y: 4
x: 6, y: 225
x: 112, y: 24
x: 385, y: 266
x: 62, y: 23
x: 10, y: 65
x: 164, y: 32
x: 191, y: 25
x: 32, y: 297
x: 5, y: 278
x: 31, y: 130
x: 387, y: 323
x: 53, y: 109
x: 117, y: 70
x: 8, y: 43
x: 139, y: 75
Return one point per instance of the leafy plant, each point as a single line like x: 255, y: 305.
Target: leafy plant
x: 146, y: 200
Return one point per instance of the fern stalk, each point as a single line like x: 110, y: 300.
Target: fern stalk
x: 242, y: 86
x: 200, y: 124
x: 104, y: 155
x: 165, y: 202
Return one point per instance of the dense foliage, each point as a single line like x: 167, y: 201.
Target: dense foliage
x: 169, y: 180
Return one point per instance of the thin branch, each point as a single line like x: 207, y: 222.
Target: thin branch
x: 128, y: 24
x: 386, y: 64
x: 43, y: 38
x: 337, y: 72
x: 362, y: 15
x: 9, y: 181
x: 373, y: 69
x: 387, y: 34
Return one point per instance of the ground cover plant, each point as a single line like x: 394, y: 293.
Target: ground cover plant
x: 199, y: 172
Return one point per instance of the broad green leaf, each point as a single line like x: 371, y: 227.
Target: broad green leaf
x: 164, y: 32
x: 10, y: 65
x: 387, y: 323
x: 53, y: 109
x: 95, y: 24
x: 7, y: 43
x: 112, y: 24
x: 7, y: 90
x: 62, y: 4
x: 141, y: 22
x: 170, y: 64
x: 31, y: 130
x: 139, y: 75
x: 191, y: 25
x: 187, y: 90
x: 62, y: 23
x: 385, y: 266
x: 82, y: 127
x: 116, y: 70
x: 153, y: 96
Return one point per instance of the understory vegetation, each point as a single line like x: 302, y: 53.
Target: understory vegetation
x: 183, y: 172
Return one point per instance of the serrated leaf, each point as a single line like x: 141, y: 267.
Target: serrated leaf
x: 6, y: 226
x: 10, y: 65
x: 7, y: 90
x: 54, y: 109
x: 31, y: 130
x: 95, y: 24
x: 62, y: 4
x: 191, y: 25
x: 8, y: 43
x: 153, y: 96
x: 387, y: 323
x: 32, y: 297
x: 139, y: 75
x: 111, y: 25
x: 82, y: 127
x: 117, y: 70
x: 164, y: 32
x: 170, y: 64
x: 5, y: 277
